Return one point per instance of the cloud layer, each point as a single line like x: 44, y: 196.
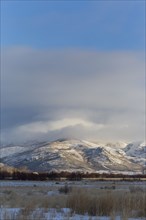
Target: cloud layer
x: 72, y: 93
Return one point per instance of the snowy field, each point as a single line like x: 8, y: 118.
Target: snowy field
x: 53, y: 214
x: 72, y: 200
x: 84, y: 183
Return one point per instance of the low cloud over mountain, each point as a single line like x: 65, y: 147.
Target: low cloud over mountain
x: 72, y: 92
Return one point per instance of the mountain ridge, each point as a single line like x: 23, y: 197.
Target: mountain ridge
x: 76, y: 155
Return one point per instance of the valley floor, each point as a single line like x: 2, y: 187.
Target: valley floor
x: 84, y: 200
x: 54, y: 214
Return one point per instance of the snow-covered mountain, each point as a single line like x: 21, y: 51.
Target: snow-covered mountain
x: 76, y: 155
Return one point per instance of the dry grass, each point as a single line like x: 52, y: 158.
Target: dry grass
x: 95, y: 202
x: 108, y: 202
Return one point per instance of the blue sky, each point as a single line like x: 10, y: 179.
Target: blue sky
x: 99, y: 25
x: 72, y: 69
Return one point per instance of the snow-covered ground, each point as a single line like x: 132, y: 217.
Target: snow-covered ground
x: 84, y: 183
x: 9, y: 151
x: 54, y: 214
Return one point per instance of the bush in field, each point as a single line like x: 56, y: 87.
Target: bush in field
x: 65, y: 189
x: 134, y: 189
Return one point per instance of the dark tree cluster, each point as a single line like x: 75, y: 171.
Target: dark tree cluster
x: 71, y: 176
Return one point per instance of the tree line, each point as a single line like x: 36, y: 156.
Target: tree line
x: 77, y: 176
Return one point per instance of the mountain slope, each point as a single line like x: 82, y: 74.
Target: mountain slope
x: 76, y: 155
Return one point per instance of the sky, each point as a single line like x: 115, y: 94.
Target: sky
x: 72, y: 69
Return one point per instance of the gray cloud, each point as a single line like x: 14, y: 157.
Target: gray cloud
x: 88, y: 87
